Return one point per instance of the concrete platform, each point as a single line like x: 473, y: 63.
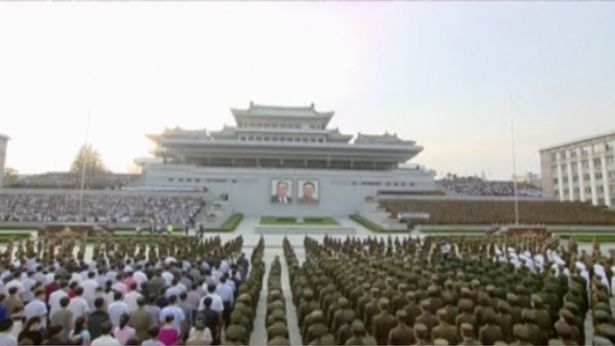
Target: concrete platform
x: 304, y: 230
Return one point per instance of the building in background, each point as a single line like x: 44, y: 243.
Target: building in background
x: 3, y: 144
x: 531, y: 179
x: 581, y: 170
x: 275, y: 156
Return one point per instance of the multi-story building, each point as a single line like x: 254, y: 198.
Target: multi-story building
x: 581, y: 170
x: 3, y: 144
x: 276, y: 150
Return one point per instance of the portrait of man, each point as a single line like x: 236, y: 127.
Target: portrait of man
x: 308, y: 191
x: 282, y: 193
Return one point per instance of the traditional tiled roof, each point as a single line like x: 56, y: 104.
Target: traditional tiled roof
x: 281, y: 111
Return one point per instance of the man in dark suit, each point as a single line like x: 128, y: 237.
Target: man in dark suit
x: 281, y: 193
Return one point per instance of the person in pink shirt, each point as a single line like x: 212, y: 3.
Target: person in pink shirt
x: 123, y: 332
x: 129, y: 280
x: 168, y: 334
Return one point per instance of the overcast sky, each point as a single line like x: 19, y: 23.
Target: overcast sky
x: 438, y: 73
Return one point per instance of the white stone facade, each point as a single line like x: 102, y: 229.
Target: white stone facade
x: 583, y: 170
x: 3, y: 144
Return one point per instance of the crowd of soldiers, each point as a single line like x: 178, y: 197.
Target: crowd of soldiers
x: 455, y: 212
x: 244, y: 311
x: 276, y: 323
x: 409, y: 291
x: 141, y: 290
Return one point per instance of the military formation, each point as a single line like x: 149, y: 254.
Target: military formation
x: 276, y: 323
x: 516, y: 290
x: 244, y: 310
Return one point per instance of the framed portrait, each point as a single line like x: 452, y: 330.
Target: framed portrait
x: 308, y: 191
x: 281, y: 191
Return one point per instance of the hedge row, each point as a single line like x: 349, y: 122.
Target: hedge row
x: 372, y: 226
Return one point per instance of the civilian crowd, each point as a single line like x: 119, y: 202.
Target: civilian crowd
x: 475, y: 186
x: 99, y: 208
x: 139, y: 292
x: 62, y: 180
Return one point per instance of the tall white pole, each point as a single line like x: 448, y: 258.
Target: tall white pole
x: 84, y: 161
x: 514, y: 162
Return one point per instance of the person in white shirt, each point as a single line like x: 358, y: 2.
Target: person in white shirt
x: 28, y: 283
x: 37, y: 308
x: 5, y: 333
x: 98, y: 293
x: 89, y: 286
x: 75, y: 277
x: 216, y: 301
x: 55, y: 296
x: 14, y: 283
x: 117, y: 309
x: 49, y: 277
x: 119, y: 286
x: 167, y: 277
x: 131, y: 298
x: 176, y: 311
x: 139, y: 276
x: 200, y: 334
x: 105, y: 339
x: 39, y: 276
x: 176, y: 289
x: 78, y: 305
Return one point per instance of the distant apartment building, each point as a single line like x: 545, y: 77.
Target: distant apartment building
x: 581, y: 170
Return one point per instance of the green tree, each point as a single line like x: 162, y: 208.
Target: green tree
x: 10, y: 176
x: 92, y: 159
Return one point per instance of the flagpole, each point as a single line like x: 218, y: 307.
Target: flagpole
x: 83, y: 165
x: 514, y: 162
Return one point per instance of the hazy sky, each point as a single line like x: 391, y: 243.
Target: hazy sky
x: 438, y: 73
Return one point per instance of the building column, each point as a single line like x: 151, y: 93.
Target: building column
x: 592, y: 178
x: 581, y: 173
x: 560, y: 183
x: 605, y: 181
x: 569, y: 172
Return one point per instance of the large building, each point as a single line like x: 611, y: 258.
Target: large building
x: 581, y: 170
x: 3, y: 144
x: 286, y: 161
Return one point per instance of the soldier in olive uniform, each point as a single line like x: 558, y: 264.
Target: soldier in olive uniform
x: 445, y: 330
x: 307, y: 306
x: 421, y: 334
x: 315, y: 326
x: 542, y: 318
x: 427, y: 318
x: 490, y: 332
x: 359, y: 336
x: 465, y: 307
x: 412, y: 309
x: 522, y: 335
x: 383, y: 323
x: 504, y: 320
x: 402, y: 334
x: 342, y: 316
x: 467, y: 335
